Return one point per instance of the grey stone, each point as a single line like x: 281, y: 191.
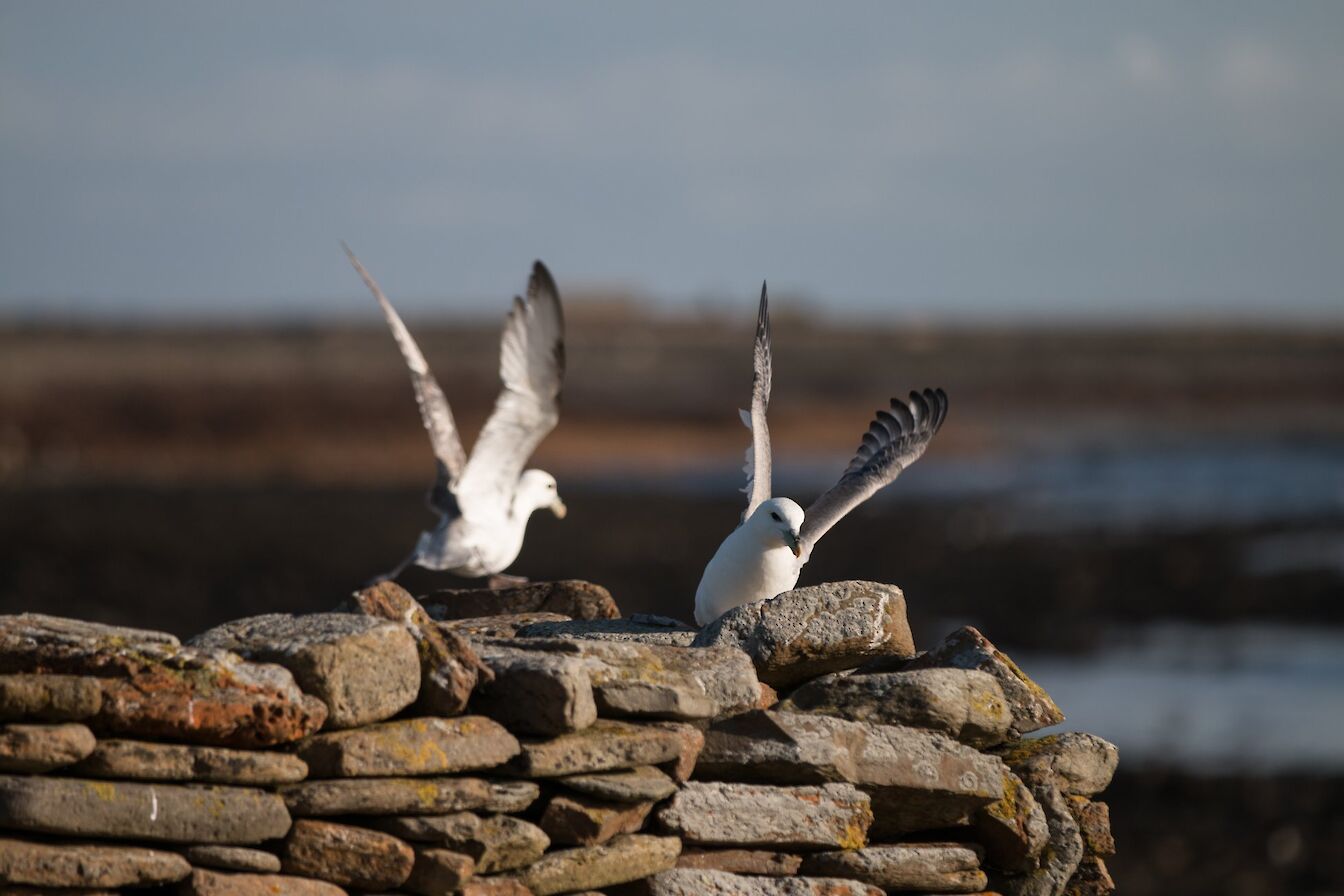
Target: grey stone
x: 150, y: 761
x: 364, y: 669
x: 569, y: 597
x: 156, y: 812
x: 762, y: 815
x: 705, y: 882
x: 923, y: 867
x: 495, y: 843
x: 629, y: 857
x: 424, y: 746
x: 1012, y: 829
x: 577, y: 820
x: 511, y: 796
x: 964, y: 704
x: 604, y: 746
x: 1060, y: 858
x: 504, y: 626
x: 387, y: 796
x: 232, y: 858
x: 49, y: 698
x: 33, y: 749
x: 535, y: 693
x: 807, y: 632
x: 87, y: 866
x: 640, y: 628
x: 455, y: 827
x: 1082, y: 764
x: 966, y: 648
x: 216, y: 883
x: 742, y: 861
x: 918, y: 780
x: 439, y: 871
x: 636, y: 785
x: 346, y: 856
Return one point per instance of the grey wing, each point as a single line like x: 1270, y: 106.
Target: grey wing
x: 757, y: 466
x: 434, y: 410
x: 532, y: 368
x: 894, y: 441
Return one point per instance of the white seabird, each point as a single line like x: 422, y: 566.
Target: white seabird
x: 484, y: 501
x: 763, y: 556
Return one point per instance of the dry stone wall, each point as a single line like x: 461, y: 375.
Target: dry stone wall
x: 532, y: 741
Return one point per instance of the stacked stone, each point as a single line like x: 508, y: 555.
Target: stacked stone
x: 529, y: 741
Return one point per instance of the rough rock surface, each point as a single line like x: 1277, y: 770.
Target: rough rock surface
x: 439, y: 871
x: 1012, y: 829
x: 927, y: 867
x: 626, y: 858
x: 423, y: 746
x: 1063, y: 852
x: 741, y: 861
x: 703, y: 882
x: 636, y: 785
x: 643, y: 628
x: 496, y: 843
x: 217, y: 883
x: 604, y: 746
x: 346, y: 856
x: 152, y: 687
x: 1082, y: 764
x: 1091, y: 879
x: 87, y: 866
x: 918, y: 780
x: 568, y: 597
x: 965, y: 704
x: 49, y: 698
x: 500, y: 886
x: 159, y: 812
x: 505, y: 626
x: 535, y: 693
x: 449, y: 668
x: 751, y: 815
x: 387, y: 796
x: 585, y: 821
x: 364, y: 669
x: 148, y: 761
x: 807, y: 632
x: 966, y: 648
x: 1094, y: 824
x: 232, y: 858
x: 34, y: 749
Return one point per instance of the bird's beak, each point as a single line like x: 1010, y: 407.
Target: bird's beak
x: 559, y: 509
x: 795, y: 544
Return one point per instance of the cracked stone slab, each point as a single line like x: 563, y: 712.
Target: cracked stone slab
x: 921, y: 867
x: 86, y: 865
x: 346, y: 856
x: 574, y: 598
x: 364, y: 669
x: 627, y: 858
x: 139, y: 760
x: 33, y: 749
x: 769, y: 816
x: 421, y: 746
x: 808, y: 632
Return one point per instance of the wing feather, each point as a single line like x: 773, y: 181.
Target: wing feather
x: 894, y: 440
x: 434, y: 410
x: 758, y: 462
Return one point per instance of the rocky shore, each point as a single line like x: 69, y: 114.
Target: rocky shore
x: 533, y: 741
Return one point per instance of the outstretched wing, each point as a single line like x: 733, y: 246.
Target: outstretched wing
x: 894, y: 441
x: 434, y: 410
x: 757, y: 466
x: 532, y: 368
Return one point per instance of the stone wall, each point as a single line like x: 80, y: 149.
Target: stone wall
x: 531, y: 741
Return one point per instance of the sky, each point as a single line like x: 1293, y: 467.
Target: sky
x: 1024, y: 160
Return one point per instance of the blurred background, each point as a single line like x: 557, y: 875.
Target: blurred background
x: 1112, y: 233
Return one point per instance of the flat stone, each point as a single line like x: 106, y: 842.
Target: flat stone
x: 690, y: 741
x: 604, y: 746
x: 503, y: 626
x: 49, y: 698
x: 641, y: 628
x: 716, y: 814
x: 152, y: 687
x: 576, y: 820
x: 140, y: 760
x: 454, y: 827
x: 569, y: 597
x: 742, y: 861
x: 232, y: 858
x: 1091, y: 879
x: 965, y: 704
x: 496, y: 886
x: 157, y: 812
x: 1012, y: 829
x: 705, y: 882
x: 636, y: 785
x: 535, y: 693
x: 439, y: 871
x: 1083, y: 764
x: 807, y: 632
x: 918, y: 780
x: 84, y: 865
x: 346, y: 856
x: 364, y: 669
x: 217, y: 883
x: 1060, y: 858
x: 1094, y: 825
x: 495, y: 843
x: 1031, y: 707
x: 629, y: 857
x: 512, y: 797
x: 449, y: 668
x: 387, y: 796
x: 932, y: 867
x: 32, y: 749
x: 424, y: 746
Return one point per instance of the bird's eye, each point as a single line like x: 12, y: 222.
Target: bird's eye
x: 774, y: 516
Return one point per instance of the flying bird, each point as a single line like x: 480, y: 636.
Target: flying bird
x: 484, y: 501
x: 763, y: 556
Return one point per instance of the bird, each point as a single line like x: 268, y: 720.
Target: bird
x: 485, y: 501
x: 764, y: 555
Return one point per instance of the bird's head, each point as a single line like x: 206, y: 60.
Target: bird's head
x: 777, y: 522
x: 537, y: 489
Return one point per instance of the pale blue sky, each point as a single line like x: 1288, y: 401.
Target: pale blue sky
x: 1004, y: 159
